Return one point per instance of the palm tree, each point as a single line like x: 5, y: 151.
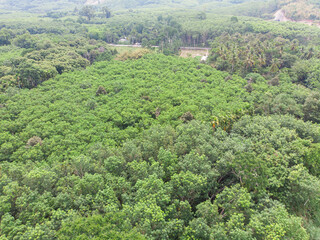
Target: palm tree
x: 249, y: 61
x: 309, y: 54
x: 261, y: 60
x: 275, y: 64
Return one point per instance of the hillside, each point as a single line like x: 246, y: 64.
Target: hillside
x: 52, y: 5
x: 294, y: 9
x: 301, y: 9
x: 41, y: 6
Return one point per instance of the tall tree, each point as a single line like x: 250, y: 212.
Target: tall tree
x: 106, y: 12
x: 88, y: 12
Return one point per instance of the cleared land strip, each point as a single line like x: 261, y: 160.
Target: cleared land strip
x: 195, y: 52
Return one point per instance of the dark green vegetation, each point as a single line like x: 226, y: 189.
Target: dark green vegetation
x: 44, y: 59
x: 33, y: 53
x: 267, y: 55
x: 65, y: 147
x: 29, y: 49
x: 98, y: 142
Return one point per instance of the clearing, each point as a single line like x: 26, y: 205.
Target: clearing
x: 193, y: 52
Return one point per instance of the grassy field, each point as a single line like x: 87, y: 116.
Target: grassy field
x: 122, y: 50
x: 185, y: 53
x: 125, y: 53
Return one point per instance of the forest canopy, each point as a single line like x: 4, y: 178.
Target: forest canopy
x: 158, y: 120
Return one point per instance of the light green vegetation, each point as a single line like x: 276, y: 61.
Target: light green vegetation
x: 42, y: 6
x: 9, y: 52
x: 155, y: 89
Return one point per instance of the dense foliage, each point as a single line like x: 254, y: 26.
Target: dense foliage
x: 71, y: 134
x: 43, y: 59
x: 99, y: 141
x: 262, y: 53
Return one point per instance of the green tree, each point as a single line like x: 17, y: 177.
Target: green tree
x: 188, y: 186
x: 274, y: 222
x: 25, y: 41
x: 99, y: 227
x: 106, y: 12
x: 5, y: 36
x: 88, y: 12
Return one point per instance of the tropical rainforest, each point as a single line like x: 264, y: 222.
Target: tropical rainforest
x: 187, y: 120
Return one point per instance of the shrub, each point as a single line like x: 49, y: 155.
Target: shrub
x: 101, y: 90
x: 187, y: 117
x: 34, y: 141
